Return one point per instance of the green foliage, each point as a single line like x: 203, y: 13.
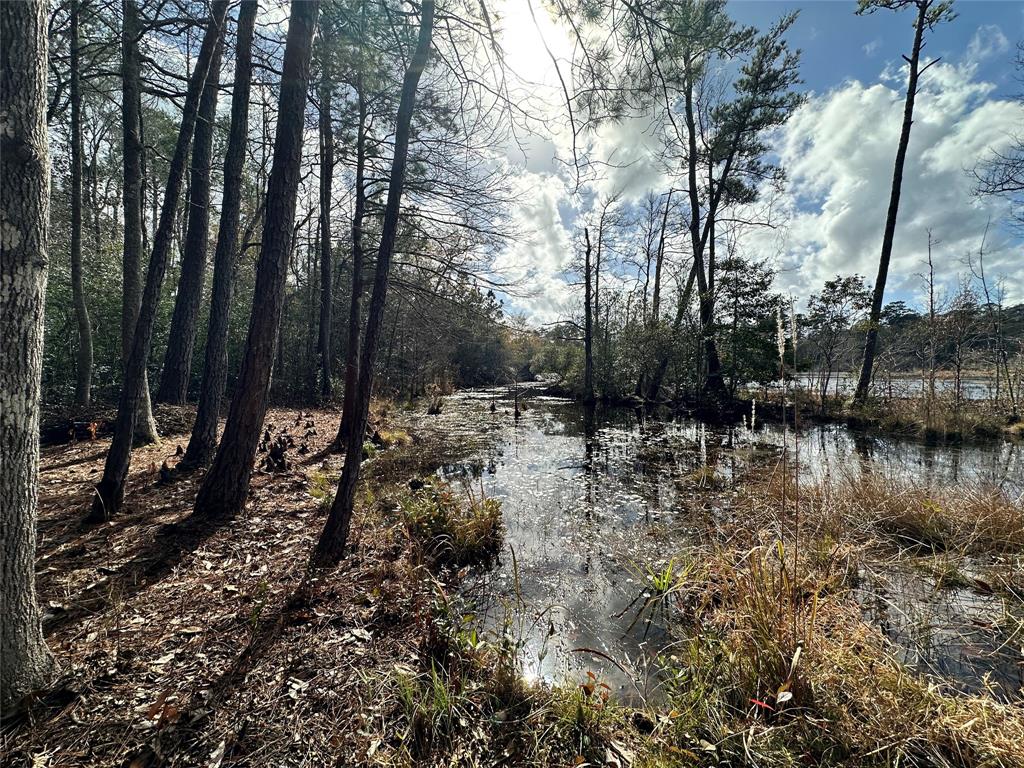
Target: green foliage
x: 321, y: 487
x: 936, y: 11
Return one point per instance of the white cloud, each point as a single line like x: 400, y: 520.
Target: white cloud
x: 871, y: 48
x: 624, y: 157
x: 839, y: 151
x: 988, y: 40
x: 535, y: 264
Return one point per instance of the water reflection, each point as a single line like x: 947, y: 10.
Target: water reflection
x: 590, y: 497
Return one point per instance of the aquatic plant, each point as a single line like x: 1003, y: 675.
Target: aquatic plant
x: 704, y: 478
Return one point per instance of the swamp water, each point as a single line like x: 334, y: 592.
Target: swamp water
x: 586, y: 517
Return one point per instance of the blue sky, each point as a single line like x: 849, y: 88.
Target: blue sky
x: 838, y: 152
x: 838, y: 45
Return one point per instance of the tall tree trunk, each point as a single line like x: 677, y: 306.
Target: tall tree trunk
x: 94, y: 198
x: 348, y: 410
x: 596, y: 330
x: 651, y: 323
x: 332, y: 541
x: 182, y: 337
x: 656, y: 301
x: 714, y: 383
x: 203, y: 442
x: 226, y: 484
x: 588, y: 326
x: 134, y: 207
x: 110, y: 489
x: 83, y: 372
x: 326, y: 177
x: 654, y: 390
x: 871, y: 340
x: 24, y: 210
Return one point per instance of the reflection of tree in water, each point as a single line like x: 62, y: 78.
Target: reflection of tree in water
x: 864, y: 446
x: 580, y: 504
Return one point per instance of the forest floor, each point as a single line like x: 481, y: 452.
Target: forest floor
x: 200, y: 643
x: 196, y: 642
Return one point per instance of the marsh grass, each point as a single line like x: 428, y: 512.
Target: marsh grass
x: 775, y: 663
x: 452, y: 529
x: 740, y: 687
x: 704, y: 478
x: 391, y: 437
x: 665, y: 586
x: 967, y: 518
x: 940, y: 419
x: 772, y: 672
x: 884, y: 513
x: 464, y: 701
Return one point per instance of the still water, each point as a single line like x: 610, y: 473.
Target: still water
x: 584, y: 517
x: 972, y: 387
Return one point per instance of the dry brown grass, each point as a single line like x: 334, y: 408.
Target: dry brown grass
x: 966, y: 518
x: 942, y: 419
x: 881, y: 510
x: 882, y: 712
x: 452, y: 528
x: 778, y: 667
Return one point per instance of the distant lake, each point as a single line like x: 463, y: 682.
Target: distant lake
x: 972, y: 387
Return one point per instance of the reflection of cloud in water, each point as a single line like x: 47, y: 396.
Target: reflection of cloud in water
x: 584, y: 517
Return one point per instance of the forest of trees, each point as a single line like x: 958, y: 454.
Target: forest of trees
x: 234, y: 204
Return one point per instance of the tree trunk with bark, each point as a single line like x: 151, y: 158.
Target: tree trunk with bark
x: 660, y: 260
x: 83, y: 362
x: 348, y: 409
x: 203, y: 442
x: 714, y: 384
x: 134, y: 207
x: 654, y: 390
x: 871, y: 340
x: 110, y: 489
x: 588, y: 326
x: 227, y: 483
x: 24, y: 210
x: 326, y: 177
x: 181, y: 340
x: 334, y: 537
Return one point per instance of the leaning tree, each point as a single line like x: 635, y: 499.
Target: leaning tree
x: 110, y: 489
x: 929, y: 13
x: 335, y: 534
